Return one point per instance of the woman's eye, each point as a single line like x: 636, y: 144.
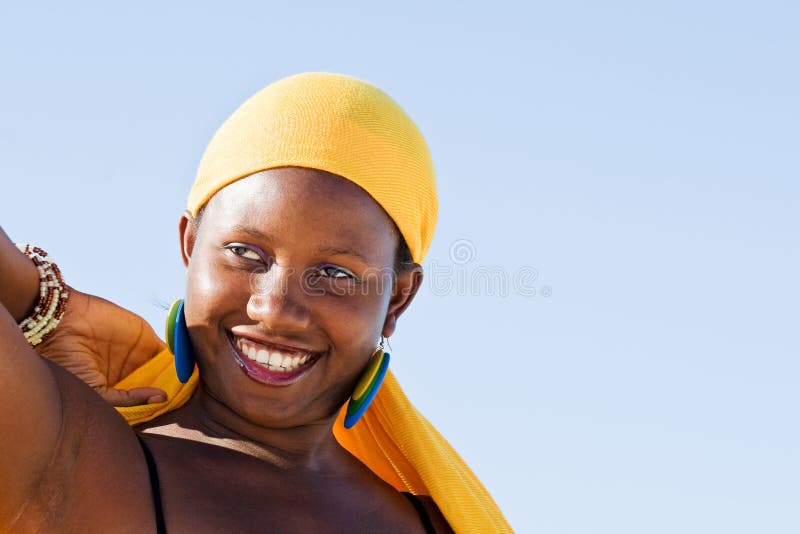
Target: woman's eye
x: 336, y: 272
x: 244, y: 252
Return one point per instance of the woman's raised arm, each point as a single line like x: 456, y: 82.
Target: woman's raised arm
x: 62, y: 449
x: 30, y: 403
x: 96, y: 340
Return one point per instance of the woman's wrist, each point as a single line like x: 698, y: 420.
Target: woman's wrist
x: 19, y: 290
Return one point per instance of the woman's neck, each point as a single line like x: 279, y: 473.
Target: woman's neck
x: 205, y: 419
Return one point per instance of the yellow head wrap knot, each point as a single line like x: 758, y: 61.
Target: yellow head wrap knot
x: 333, y: 123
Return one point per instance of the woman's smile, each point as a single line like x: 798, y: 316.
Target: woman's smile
x: 268, y: 363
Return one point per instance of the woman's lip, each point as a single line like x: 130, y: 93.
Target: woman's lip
x: 264, y: 375
x: 274, y: 342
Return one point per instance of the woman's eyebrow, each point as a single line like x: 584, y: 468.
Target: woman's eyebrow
x: 324, y: 249
x: 253, y: 232
x: 341, y: 251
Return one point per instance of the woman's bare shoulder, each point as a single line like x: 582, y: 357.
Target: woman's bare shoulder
x: 97, y: 474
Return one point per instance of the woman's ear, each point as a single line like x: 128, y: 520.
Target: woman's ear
x: 405, y: 288
x: 187, y: 230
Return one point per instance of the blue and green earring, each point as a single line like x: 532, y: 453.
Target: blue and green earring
x: 367, y: 386
x: 178, y: 341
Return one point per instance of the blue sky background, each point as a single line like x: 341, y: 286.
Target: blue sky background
x: 641, y: 157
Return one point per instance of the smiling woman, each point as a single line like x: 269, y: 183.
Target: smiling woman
x: 277, y: 278
x: 312, y: 211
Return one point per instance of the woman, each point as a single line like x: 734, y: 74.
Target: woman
x: 313, y: 208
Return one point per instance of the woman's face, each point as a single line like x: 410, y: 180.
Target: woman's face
x: 290, y: 285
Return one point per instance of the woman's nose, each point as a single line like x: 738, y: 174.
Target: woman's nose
x: 276, y: 300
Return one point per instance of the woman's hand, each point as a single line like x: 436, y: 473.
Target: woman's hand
x: 101, y: 343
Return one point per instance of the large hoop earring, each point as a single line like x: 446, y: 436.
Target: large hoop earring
x: 178, y: 341
x: 367, y: 386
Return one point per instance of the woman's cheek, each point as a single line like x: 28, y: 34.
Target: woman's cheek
x: 212, y: 291
x: 356, y: 320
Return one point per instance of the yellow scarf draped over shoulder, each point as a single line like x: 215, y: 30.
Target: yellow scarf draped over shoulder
x: 350, y: 128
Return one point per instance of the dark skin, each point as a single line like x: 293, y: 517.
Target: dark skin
x: 242, y: 455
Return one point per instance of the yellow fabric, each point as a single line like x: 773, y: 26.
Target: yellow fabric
x: 333, y: 123
x: 160, y: 373
x: 392, y: 438
x: 350, y: 128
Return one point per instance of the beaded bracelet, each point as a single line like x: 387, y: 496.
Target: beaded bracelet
x: 53, y: 296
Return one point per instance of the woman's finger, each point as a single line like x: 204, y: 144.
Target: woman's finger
x: 131, y: 397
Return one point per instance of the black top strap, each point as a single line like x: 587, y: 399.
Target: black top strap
x: 155, y: 487
x: 423, y: 513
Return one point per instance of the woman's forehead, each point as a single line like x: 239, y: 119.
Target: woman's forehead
x: 294, y: 202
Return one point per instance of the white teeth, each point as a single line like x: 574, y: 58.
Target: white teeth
x: 272, y: 360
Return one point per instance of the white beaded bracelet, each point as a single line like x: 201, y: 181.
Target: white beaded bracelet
x: 53, y: 296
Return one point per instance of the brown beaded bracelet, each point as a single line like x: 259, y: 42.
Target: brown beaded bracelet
x: 53, y: 296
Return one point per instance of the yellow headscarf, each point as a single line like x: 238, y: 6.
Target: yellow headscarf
x: 348, y: 127
x: 333, y: 123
